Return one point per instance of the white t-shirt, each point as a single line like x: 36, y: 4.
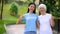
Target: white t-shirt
x: 45, y: 27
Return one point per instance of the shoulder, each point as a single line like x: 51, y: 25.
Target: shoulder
x: 25, y: 14
x: 39, y: 16
x: 49, y: 14
x: 36, y: 14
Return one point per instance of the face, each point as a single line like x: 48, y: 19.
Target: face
x: 42, y: 10
x: 31, y: 8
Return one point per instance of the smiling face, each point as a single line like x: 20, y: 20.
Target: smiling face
x: 31, y: 8
x: 42, y: 10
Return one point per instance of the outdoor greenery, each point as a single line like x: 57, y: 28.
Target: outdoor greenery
x: 8, y: 19
x: 14, y: 9
x: 53, y: 6
x: 21, y: 9
x: 2, y: 28
x: 6, y: 1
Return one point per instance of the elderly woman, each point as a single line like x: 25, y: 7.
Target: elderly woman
x: 45, y: 20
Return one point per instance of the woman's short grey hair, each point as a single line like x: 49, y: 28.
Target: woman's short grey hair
x: 42, y: 5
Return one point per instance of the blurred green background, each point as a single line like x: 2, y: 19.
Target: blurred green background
x: 13, y: 9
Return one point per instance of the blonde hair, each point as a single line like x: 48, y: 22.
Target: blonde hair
x: 42, y: 5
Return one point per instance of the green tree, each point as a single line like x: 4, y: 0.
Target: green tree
x: 1, y: 10
x: 14, y: 9
x: 33, y: 1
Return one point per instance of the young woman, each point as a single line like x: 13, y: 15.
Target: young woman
x: 30, y: 18
x: 46, y: 20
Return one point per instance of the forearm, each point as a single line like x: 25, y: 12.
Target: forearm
x: 18, y: 21
x: 38, y: 25
x: 52, y: 24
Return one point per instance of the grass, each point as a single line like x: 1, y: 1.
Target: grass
x: 2, y: 29
x: 8, y: 19
x: 11, y: 19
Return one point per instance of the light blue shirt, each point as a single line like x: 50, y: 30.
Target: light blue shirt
x: 31, y: 20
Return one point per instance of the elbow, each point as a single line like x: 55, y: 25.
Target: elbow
x: 18, y: 21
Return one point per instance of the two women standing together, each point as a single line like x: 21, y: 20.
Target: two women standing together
x: 43, y: 21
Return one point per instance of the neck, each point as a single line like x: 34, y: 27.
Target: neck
x: 43, y: 13
x: 30, y: 12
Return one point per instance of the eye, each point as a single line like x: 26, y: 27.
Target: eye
x: 32, y: 6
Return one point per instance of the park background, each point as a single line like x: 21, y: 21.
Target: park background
x: 11, y: 10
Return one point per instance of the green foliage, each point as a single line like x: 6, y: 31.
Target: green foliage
x: 34, y: 1
x: 2, y: 28
x: 14, y: 9
x: 56, y: 14
x: 56, y: 9
x: 6, y: 1
x: 53, y: 6
x: 28, y: 1
x: 21, y: 3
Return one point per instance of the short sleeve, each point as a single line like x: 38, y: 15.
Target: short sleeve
x: 37, y: 17
x: 50, y: 16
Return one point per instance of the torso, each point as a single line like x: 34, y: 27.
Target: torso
x: 31, y: 20
x: 45, y: 23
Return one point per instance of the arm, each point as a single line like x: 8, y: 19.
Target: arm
x: 52, y: 21
x: 19, y: 20
x: 38, y: 25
